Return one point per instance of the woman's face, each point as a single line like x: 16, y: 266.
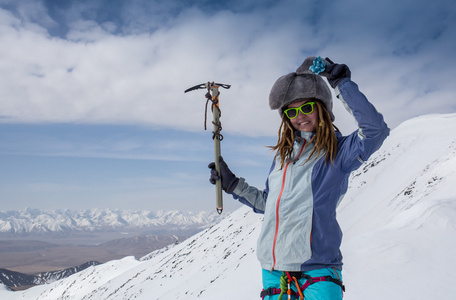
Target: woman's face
x: 304, y: 122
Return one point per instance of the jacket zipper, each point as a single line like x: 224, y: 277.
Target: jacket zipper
x: 278, y: 204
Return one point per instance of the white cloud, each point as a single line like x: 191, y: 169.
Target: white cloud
x: 97, y: 76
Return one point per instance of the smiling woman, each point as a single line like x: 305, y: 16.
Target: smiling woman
x: 300, y: 236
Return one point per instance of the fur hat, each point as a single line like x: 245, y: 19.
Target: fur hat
x: 302, y: 84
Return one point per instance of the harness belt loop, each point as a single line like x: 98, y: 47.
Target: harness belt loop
x: 310, y: 279
x: 336, y: 281
x: 269, y: 292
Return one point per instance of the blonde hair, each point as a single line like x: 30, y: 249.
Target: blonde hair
x: 325, y: 139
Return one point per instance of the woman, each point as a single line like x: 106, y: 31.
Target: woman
x: 298, y: 247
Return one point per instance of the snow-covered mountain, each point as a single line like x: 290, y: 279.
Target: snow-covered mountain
x: 45, y: 221
x: 16, y: 279
x: 398, y: 219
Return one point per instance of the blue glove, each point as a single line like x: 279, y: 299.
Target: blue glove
x: 335, y: 73
x: 229, y: 180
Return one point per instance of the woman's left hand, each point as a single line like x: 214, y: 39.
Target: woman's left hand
x: 335, y: 73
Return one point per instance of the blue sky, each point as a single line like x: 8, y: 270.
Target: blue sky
x: 92, y: 109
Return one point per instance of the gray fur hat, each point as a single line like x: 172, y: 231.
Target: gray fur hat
x: 302, y: 84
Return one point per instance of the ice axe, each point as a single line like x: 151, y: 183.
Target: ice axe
x: 213, y: 96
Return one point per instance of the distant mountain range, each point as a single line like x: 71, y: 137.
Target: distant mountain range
x: 30, y: 220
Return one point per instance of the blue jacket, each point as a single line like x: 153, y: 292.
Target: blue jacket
x: 300, y: 231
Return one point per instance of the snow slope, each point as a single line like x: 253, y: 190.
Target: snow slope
x: 16, y: 279
x: 398, y: 218
x: 201, y: 267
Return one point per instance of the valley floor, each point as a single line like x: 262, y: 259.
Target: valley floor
x: 31, y: 256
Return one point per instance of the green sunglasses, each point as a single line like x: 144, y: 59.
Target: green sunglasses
x: 306, y: 108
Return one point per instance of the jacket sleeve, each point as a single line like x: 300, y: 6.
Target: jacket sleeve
x: 251, y: 196
x: 372, y: 129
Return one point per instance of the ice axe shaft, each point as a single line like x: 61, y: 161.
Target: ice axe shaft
x: 213, y: 96
x: 218, y: 183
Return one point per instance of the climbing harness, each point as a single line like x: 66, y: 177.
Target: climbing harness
x: 288, y: 278
x: 213, y: 96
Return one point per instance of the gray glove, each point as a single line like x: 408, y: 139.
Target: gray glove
x: 335, y: 73
x: 229, y: 180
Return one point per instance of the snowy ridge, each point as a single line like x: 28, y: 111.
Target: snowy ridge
x: 398, y: 219
x: 223, y: 252
x: 16, y: 279
x: 399, y: 215
x: 41, y: 221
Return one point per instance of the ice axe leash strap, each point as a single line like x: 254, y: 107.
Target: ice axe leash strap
x: 213, y: 96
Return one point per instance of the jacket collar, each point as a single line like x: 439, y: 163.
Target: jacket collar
x: 300, y: 135
x: 303, y: 135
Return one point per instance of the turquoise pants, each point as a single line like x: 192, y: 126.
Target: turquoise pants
x: 324, y: 290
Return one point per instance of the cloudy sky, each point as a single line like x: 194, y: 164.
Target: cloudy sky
x: 92, y: 105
